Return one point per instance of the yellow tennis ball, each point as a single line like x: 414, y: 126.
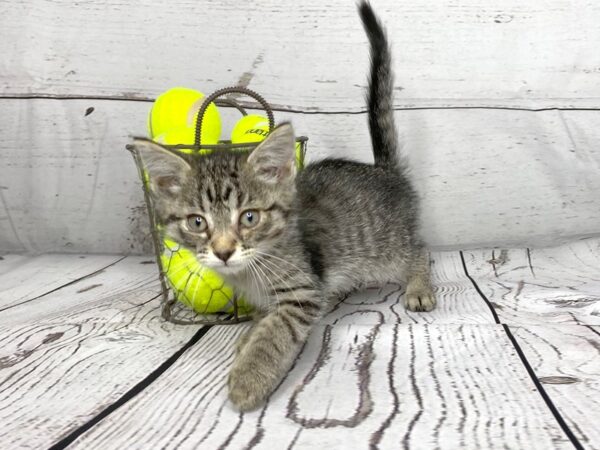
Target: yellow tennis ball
x: 255, y: 128
x: 299, y: 156
x: 195, y: 286
x: 250, y: 128
x: 180, y: 136
x: 178, y: 108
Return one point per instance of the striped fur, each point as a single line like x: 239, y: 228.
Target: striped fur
x: 292, y: 244
x: 384, y: 137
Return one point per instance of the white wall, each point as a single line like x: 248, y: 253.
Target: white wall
x: 497, y: 102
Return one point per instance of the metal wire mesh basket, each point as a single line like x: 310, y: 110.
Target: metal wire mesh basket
x: 192, y: 294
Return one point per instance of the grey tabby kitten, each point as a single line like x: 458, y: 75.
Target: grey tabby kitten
x: 294, y: 243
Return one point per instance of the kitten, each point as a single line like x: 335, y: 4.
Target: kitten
x: 293, y: 243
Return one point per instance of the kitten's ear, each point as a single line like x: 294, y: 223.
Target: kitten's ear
x: 166, y: 171
x: 274, y: 158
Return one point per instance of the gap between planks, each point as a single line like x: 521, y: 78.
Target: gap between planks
x: 526, y: 363
x: 288, y: 109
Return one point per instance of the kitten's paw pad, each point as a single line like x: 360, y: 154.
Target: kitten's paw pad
x: 419, y: 301
x: 247, y: 389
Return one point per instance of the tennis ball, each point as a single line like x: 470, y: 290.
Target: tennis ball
x: 299, y: 156
x: 255, y: 128
x: 178, y: 108
x: 180, y: 136
x: 195, y: 286
x: 250, y: 128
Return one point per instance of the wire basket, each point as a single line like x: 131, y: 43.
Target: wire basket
x: 223, y: 304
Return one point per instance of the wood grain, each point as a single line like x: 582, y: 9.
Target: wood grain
x: 540, y: 286
x: 354, y: 386
x: 72, y: 187
x: 68, y: 355
x: 566, y: 358
x: 129, y: 276
x: 23, y: 279
x: 309, y: 55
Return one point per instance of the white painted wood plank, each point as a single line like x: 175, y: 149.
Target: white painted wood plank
x: 486, y: 177
x: 70, y: 183
x: 9, y: 262
x: 67, y: 356
x: 446, y: 379
x: 9, y: 235
x: 458, y: 301
x: 130, y: 276
x: 308, y: 55
x: 33, y: 277
x: 567, y: 361
x: 353, y: 386
x: 539, y: 286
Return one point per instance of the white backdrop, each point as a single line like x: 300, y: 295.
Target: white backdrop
x: 497, y: 102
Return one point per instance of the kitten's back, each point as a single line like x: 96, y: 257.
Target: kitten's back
x: 359, y: 221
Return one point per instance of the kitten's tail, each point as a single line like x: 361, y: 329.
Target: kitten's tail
x: 384, y: 137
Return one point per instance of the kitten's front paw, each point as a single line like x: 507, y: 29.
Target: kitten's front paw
x: 242, y: 341
x: 248, y: 388
x: 420, y: 300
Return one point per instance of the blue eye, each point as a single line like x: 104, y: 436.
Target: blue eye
x: 249, y: 218
x: 196, y: 223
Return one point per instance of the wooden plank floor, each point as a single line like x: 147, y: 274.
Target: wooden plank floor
x: 510, y: 359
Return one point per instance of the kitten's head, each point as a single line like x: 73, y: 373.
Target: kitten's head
x: 226, y: 207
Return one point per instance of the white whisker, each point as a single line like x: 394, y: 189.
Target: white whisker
x: 255, y: 278
x: 259, y: 260
x: 270, y: 283
x: 299, y: 269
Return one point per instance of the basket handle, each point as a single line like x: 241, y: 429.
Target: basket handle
x: 230, y: 90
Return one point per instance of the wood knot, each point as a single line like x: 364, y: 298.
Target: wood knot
x: 559, y: 380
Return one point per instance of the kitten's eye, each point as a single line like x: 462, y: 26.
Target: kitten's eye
x: 249, y: 218
x: 196, y: 223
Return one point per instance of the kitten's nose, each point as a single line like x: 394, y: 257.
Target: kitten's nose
x: 223, y: 255
x: 223, y: 246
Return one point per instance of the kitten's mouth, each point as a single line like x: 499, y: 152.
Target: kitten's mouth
x: 225, y: 268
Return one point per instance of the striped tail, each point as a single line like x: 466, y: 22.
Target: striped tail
x: 384, y: 136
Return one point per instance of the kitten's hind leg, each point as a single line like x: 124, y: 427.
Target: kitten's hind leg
x: 419, y: 294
